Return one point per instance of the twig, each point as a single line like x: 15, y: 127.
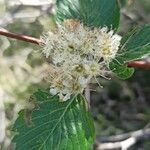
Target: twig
x: 123, y: 141
x: 135, y: 64
x: 19, y: 36
x: 139, y: 64
x: 124, y: 145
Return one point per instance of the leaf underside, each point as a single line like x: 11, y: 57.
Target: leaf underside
x: 55, y: 125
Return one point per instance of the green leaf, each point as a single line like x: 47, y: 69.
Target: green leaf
x: 134, y: 45
x: 94, y: 13
x: 137, y: 39
x: 122, y: 71
x: 134, y: 54
x: 55, y: 125
x: 127, y: 37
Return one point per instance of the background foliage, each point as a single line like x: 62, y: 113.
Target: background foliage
x: 115, y: 111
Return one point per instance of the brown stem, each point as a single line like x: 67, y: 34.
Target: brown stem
x: 19, y: 36
x: 134, y: 64
x: 139, y: 64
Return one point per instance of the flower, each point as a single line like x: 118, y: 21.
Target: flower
x: 78, y: 54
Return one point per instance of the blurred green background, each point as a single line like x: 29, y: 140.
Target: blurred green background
x: 120, y: 107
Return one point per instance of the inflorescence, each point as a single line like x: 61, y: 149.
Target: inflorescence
x: 78, y: 54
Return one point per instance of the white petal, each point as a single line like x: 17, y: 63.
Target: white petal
x: 53, y: 91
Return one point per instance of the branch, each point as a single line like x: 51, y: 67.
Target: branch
x: 19, y: 36
x: 123, y: 141
x: 134, y: 64
x: 124, y: 145
x: 139, y: 64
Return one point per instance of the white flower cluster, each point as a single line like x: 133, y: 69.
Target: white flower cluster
x: 78, y: 54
